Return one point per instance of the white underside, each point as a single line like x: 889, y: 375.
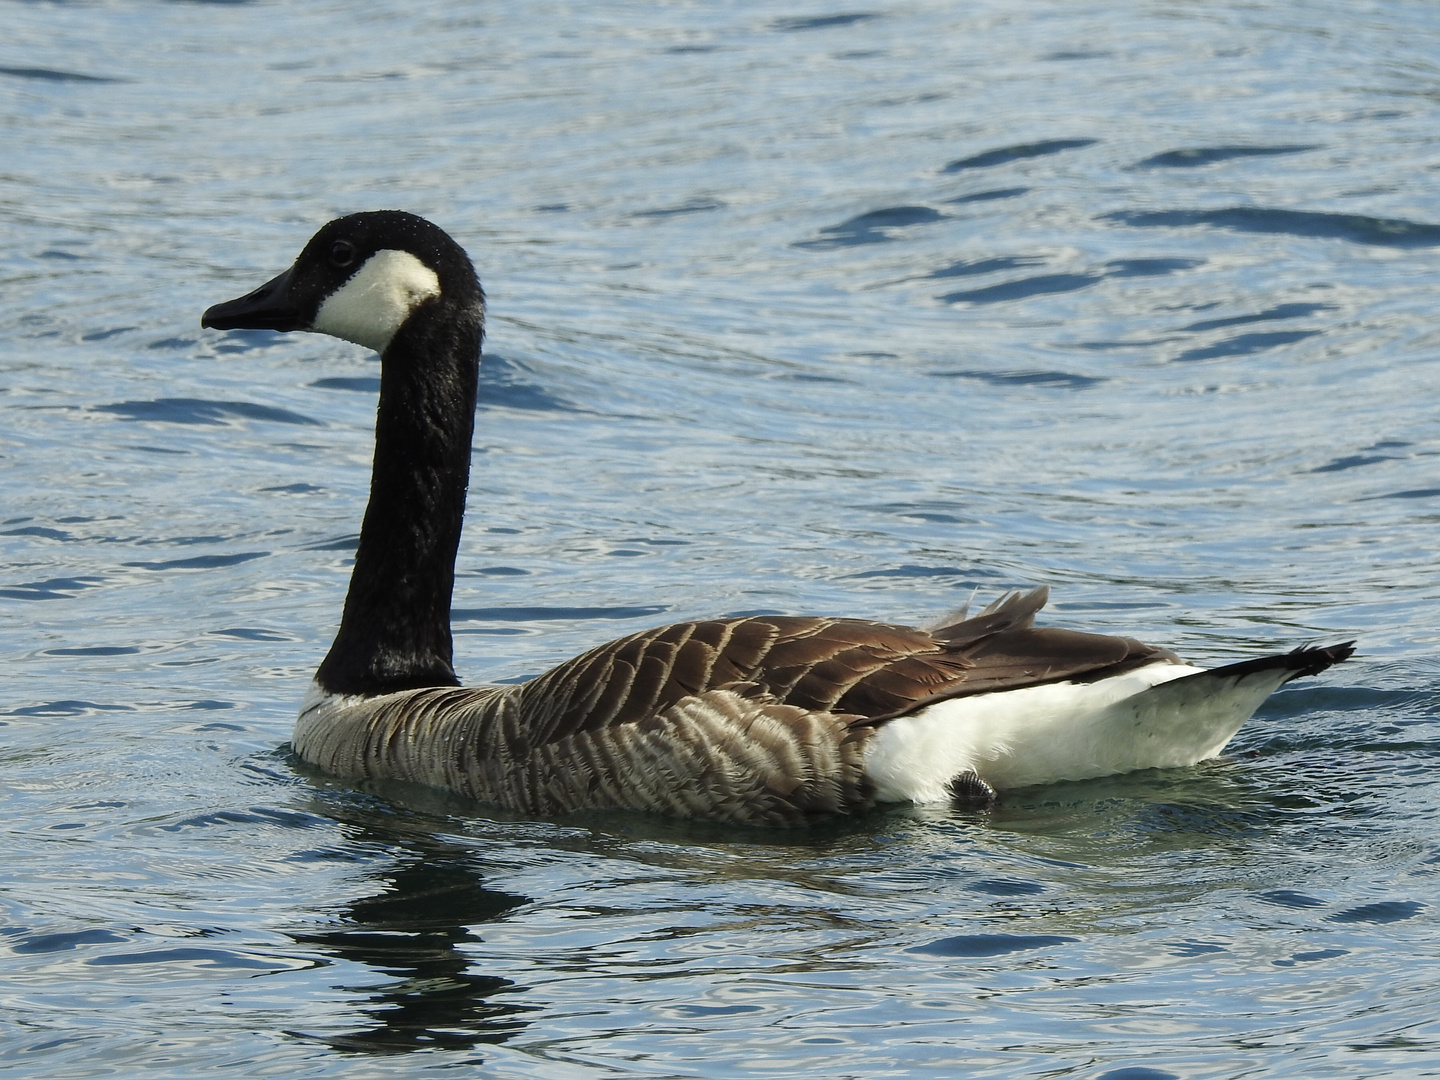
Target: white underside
x: 1064, y: 731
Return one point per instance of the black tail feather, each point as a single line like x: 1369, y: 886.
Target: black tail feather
x: 1306, y: 660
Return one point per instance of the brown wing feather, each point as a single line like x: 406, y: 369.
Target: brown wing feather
x: 866, y: 670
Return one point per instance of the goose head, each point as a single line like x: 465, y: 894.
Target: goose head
x: 361, y: 278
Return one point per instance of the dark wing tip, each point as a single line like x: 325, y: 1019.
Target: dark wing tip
x: 1311, y: 660
x: 1306, y: 660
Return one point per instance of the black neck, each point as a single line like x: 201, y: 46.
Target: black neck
x: 395, y: 632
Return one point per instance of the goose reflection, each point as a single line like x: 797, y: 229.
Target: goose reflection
x: 413, y: 931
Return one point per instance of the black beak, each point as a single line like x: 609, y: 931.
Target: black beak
x: 270, y: 307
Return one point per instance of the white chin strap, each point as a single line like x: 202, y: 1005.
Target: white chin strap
x: 377, y: 299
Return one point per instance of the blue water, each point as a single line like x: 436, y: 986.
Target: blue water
x: 856, y: 310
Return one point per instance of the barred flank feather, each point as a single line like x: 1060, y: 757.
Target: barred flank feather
x: 717, y: 755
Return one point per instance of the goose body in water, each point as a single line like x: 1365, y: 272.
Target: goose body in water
x: 768, y: 720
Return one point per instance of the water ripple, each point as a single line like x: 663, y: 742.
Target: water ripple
x: 201, y: 562
x: 51, y: 589
x: 980, y: 945
x: 1279, y: 311
x: 1385, y: 911
x: 822, y: 22
x: 64, y: 941
x: 1049, y: 284
x: 875, y: 227
x: 1246, y: 344
x: 56, y: 75
x: 200, y: 411
x: 1068, y: 380
x: 1194, y: 157
x: 548, y: 614
x: 1020, y: 152
x: 1356, y: 228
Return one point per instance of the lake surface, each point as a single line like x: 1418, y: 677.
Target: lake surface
x: 860, y: 310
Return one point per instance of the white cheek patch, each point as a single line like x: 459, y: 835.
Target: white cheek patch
x: 377, y: 299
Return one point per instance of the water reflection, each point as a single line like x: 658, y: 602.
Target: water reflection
x: 414, y: 930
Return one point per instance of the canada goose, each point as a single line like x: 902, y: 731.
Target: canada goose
x: 768, y: 720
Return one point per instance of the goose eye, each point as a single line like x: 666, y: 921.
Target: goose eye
x: 342, y: 253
